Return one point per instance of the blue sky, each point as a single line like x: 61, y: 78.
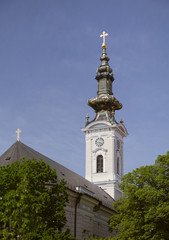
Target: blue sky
x: 49, y: 53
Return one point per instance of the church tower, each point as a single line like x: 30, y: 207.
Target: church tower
x: 104, y: 135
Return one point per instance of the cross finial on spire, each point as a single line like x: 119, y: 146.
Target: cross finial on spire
x: 18, y: 134
x: 104, y: 39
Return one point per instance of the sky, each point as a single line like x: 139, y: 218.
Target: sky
x: 49, y: 53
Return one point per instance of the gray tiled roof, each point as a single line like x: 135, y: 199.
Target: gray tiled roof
x: 19, y: 150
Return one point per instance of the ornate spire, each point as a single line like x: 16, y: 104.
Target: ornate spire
x: 104, y: 74
x: 105, y: 103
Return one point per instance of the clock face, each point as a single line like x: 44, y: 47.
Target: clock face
x: 118, y: 144
x: 99, y: 142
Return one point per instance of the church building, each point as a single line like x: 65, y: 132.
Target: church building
x: 90, y: 198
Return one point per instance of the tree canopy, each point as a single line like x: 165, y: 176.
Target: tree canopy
x: 32, y: 202
x: 143, y: 212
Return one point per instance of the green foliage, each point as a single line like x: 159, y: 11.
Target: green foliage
x: 32, y: 202
x: 107, y: 238
x: 143, y: 212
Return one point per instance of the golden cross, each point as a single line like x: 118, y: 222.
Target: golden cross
x: 18, y: 134
x: 103, y: 36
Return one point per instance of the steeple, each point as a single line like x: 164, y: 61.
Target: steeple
x: 104, y: 103
x: 104, y: 136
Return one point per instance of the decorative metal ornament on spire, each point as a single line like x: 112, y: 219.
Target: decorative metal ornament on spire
x: 18, y: 131
x: 104, y: 39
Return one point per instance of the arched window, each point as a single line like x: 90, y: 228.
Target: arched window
x: 99, y: 163
x: 118, y: 165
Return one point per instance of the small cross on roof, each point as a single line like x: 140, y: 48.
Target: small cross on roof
x: 18, y: 131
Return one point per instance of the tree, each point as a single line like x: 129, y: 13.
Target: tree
x: 32, y: 202
x: 143, y: 211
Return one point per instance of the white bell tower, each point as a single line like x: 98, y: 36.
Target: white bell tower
x: 104, y: 136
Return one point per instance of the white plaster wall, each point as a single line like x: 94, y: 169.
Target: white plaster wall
x: 109, y: 151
